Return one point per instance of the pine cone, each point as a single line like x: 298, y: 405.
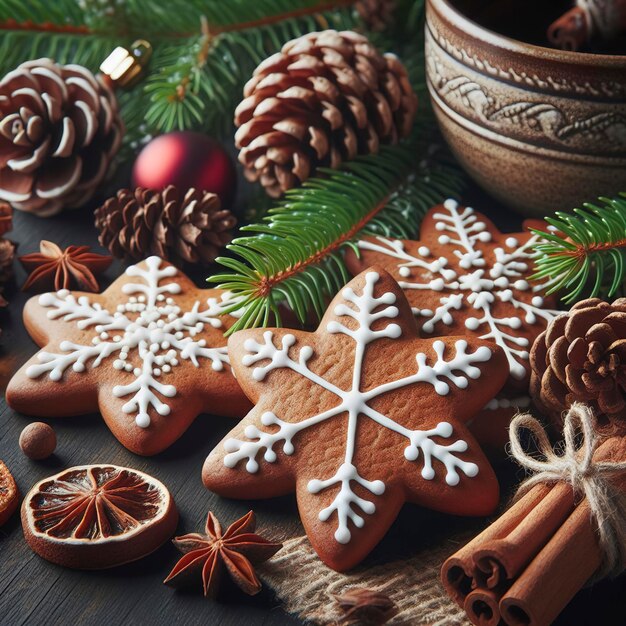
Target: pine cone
x: 325, y: 98
x: 59, y: 130
x: 192, y: 229
x: 376, y: 14
x: 581, y: 357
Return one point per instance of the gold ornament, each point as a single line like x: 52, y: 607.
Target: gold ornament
x: 124, y: 66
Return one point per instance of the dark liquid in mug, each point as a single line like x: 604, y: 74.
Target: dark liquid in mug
x: 528, y: 21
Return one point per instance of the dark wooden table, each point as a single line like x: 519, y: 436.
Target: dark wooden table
x: 33, y: 591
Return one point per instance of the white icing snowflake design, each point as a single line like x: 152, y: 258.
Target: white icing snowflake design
x: 149, y: 325
x: 479, y: 287
x: 447, y: 370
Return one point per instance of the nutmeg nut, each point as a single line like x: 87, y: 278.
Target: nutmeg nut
x: 38, y: 441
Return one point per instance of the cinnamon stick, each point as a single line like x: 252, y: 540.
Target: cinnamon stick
x: 529, y: 564
x: 504, y: 558
x: 482, y: 607
x: 458, y: 573
x: 557, y: 573
x: 481, y: 571
x: 565, y: 564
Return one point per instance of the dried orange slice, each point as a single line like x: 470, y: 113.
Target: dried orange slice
x: 98, y: 516
x: 9, y: 495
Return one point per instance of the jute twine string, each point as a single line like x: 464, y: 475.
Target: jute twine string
x: 588, y: 478
x: 601, y: 15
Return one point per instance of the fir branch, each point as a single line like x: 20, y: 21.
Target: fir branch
x: 288, y: 12
x: 180, y: 18
x: 200, y: 84
x: 295, y: 256
x: 46, y: 27
x: 152, y: 19
x: 195, y: 79
x: 41, y: 14
x: 585, y: 254
x: 68, y: 46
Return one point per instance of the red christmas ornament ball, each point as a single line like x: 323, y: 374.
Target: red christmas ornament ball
x: 186, y: 159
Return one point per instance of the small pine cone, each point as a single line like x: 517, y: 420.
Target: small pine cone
x: 376, y: 14
x: 191, y: 229
x: 324, y: 99
x: 59, y: 130
x: 581, y: 357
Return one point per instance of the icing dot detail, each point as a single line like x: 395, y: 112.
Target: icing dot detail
x: 143, y: 420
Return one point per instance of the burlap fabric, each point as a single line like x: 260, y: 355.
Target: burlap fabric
x: 304, y: 584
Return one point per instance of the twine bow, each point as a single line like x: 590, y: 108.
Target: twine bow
x: 587, y: 477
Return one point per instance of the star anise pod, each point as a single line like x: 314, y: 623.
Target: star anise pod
x: 365, y: 607
x: 237, y: 550
x: 63, y: 269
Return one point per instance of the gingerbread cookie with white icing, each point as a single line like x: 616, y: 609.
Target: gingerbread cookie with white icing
x: 464, y: 277
x: 358, y: 417
x: 149, y: 353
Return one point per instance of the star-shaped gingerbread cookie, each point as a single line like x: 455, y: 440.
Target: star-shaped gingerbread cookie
x: 464, y: 277
x: 149, y: 353
x: 359, y: 417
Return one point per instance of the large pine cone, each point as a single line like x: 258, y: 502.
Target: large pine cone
x: 59, y: 130
x: 323, y: 99
x: 188, y: 229
x: 581, y: 357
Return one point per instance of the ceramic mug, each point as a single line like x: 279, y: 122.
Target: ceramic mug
x: 540, y: 129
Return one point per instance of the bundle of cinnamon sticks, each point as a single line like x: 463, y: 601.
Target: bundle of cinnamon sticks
x: 525, y: 568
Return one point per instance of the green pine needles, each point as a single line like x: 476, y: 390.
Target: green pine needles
x: 201, y: 87
x: 203, y: 50
x: 294, y: 257
x: 585, y: 254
